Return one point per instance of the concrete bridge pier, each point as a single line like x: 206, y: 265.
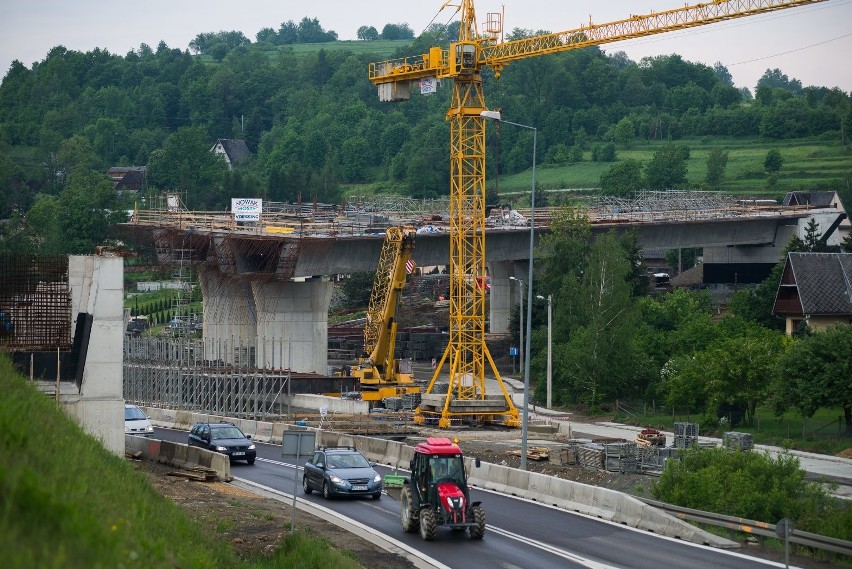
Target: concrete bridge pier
x: 292, y: 324
x: 230, y: 321
x: 504, y: 292
x: 268, y: 324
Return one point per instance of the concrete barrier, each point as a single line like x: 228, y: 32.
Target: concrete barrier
x: 180, y: 455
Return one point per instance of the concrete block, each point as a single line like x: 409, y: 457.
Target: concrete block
x: 277, y: 435
x: 263, y: 431
x: 247, y: 426
x: 168, y: 418
x: 183, y: 420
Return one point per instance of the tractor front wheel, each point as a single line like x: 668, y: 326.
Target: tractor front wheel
x: 478, y: 529
x: 428, y: 524
x: 410, y: 523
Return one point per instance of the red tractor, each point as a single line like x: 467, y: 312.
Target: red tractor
x: 436, y: 494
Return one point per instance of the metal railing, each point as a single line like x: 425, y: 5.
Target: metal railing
x: 763, y: 529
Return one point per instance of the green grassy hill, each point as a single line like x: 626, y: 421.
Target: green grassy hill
x: 808, y: 164
x: 66, y: 502
x: 378, y: 49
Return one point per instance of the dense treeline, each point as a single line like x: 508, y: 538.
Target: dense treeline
x: 611, y: 340
x: 314, y: 124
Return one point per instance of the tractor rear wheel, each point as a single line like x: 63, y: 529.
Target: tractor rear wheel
x: 410, y: 523
x: 428, y: 524
x: 478, y: 529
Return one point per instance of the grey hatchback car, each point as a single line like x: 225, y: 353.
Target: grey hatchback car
x: 341, y: 471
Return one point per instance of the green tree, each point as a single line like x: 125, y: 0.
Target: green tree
x: 604, y: 152
x: 813, y: 241
x: 354, y: 157
x: 682, y: 259
x: 717, y: 160
x: 88, y: 209
x: 624, y: 132
x: 367, y: 33
x: 622, y: 179
x: 744, y: 484
x: 186, y: 164
x: 667, y: 169
x: 815, y: 372
x: 594, y: 364
x: 739, y: 370
x: 773, y: 161
x: 357, y: 290
x: 43, y: 226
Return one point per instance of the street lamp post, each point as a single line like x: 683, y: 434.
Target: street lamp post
x: 549, y: 349
x: 495, y: 115
x: 521, y: 315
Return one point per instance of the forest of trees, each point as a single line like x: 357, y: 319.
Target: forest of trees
x: 314, y: 124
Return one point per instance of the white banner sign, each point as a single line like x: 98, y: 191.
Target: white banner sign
x: 246, y: 209
x: 428, y: 85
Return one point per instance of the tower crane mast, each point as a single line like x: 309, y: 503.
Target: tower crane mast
x: 466, y: 353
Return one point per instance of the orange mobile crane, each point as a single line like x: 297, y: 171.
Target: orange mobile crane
x: 463, y: 62
x: 378, y: 371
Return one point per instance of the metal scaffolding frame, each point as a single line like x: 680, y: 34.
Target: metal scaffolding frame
x: 174, y: 373
x: 649, y: 205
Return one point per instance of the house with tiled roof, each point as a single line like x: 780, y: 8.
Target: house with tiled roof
x: 815, y: 289
x: 232, y: 151
x: 128, y: 178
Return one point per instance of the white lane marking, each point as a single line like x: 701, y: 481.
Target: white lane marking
x: 550, y: 549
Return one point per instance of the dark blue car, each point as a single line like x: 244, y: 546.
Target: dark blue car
x: 226, y: 438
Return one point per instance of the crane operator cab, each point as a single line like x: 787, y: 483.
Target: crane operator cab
x: 463, y: 55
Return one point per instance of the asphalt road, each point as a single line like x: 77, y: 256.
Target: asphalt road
x: 520, y: 533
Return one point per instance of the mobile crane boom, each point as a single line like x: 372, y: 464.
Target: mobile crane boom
x: 379, y: 371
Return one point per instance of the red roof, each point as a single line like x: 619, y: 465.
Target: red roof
x: 438, y: 445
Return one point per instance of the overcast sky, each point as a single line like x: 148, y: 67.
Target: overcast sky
x: 811, y: 43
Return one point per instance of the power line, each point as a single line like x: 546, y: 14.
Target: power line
x: 789, y: 51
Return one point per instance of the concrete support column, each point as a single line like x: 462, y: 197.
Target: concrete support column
x: 230, y: 321
x: 499, y: 299
x: 97, y: 288
x: 292, y: 324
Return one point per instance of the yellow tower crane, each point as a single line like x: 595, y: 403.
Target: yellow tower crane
x: 463, y: 62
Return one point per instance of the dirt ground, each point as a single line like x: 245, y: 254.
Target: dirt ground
x: 255, y: 526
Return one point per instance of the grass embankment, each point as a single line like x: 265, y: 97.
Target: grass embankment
x: 808, y: 164
x: 67, y: 502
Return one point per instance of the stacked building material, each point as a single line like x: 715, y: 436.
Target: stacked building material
x: 591, y: 455
x: 411, y: 401
x: 621, y: 457
x: 685, y: 434
x: 653, y: 459
x: 737, y: 441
